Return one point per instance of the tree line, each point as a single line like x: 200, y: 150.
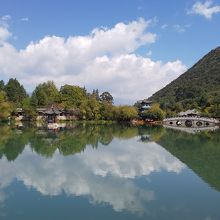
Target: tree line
x: 86, y: 105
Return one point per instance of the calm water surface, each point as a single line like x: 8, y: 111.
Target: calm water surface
x: 109, y: 172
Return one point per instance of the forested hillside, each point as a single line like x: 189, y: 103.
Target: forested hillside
x: 199, y: 87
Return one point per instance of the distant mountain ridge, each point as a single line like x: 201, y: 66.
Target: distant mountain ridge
x: 198, y: 87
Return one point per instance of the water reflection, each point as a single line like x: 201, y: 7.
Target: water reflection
x: 74, y: 177
x: 105, y: 175
x: 68, y: 141
x: 104, y: 163
x: 201, y: 153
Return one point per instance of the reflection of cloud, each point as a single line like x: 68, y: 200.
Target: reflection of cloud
x: 2, y: 197
x: 126, y: 159
x: 105, y: 175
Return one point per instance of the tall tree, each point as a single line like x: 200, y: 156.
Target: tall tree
x: 45, y: 94
x: 15, y: 92
x: 3, y: 96
x: 125, y: 113
x: 2, y: 85
x: 106, y: 96
x: 107, y: 111
x: 154, y: 113
x: 95, y: 93
x: 94, y: 106
x: 5, y: 107
x: 72, y: 96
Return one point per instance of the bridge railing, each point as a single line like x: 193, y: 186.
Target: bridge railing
x: 212, y: 120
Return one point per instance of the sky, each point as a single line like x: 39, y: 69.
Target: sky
x: 131, y: 48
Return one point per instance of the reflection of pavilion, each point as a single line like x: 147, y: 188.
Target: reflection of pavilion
x: 146, y: 138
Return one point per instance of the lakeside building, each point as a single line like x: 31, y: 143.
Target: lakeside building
x: 189, y: 113
x: 50, y: 114
x: 18, y: 114
x: 144, y: 104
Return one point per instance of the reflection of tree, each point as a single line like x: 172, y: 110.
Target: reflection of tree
x: 76, y: 140
x: 106, y: 135
x: 43, y: 143
x: 126, y: 132
x: 14, y: 147
x: 153, y: 132
x: 200, y: 152
x: 12, y: 142
x: 69, y: 141
x: 6, y: 133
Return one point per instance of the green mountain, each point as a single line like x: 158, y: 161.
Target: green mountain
x: 198, y: 87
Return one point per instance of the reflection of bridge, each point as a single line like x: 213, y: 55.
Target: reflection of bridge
x: 191, y: 122
x: 193, y: 130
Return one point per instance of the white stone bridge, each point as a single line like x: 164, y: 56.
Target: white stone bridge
x: 191, y: 122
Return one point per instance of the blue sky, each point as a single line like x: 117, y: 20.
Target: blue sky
x: 183, y: 31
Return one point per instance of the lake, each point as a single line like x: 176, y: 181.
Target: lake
x: 109, y: 172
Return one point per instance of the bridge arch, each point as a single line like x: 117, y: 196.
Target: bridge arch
x: 190, y: 122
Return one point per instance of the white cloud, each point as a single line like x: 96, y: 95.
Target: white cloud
x: 106, y: 59
x: 4, y: 34
x: 25, y: 19
x: 178, y: 28
x: 4, y: 20
x: 206, y: 9
x: 181, y: 28
x: 149, y: 53
x: 164, y: 26
x: 6, y: 17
